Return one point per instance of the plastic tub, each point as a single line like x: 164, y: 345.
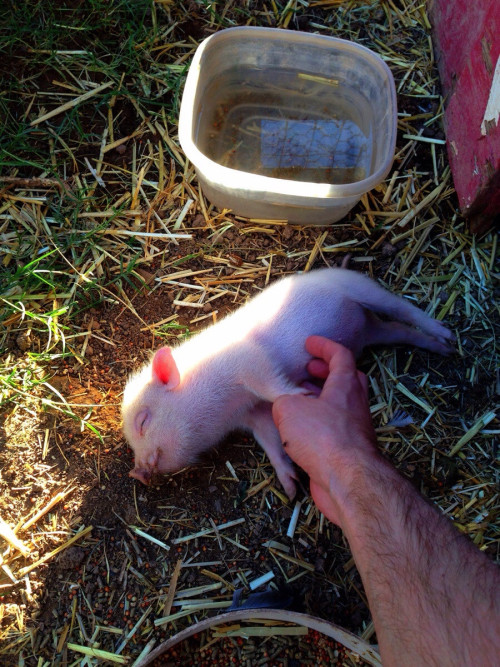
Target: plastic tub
x: 287, y: 125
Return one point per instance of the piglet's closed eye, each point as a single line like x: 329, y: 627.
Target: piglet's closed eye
x: 165, y: 369
x: 141, y: 421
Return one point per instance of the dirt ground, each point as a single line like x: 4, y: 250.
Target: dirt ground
x: 106, y: 498
x: 113, y: 567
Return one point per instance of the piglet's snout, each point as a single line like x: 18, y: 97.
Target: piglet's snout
x: 142, y: 474
x: 143, y: 471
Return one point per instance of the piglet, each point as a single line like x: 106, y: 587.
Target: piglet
x: 226, y: 377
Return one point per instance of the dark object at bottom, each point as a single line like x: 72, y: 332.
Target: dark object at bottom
x: 283, y: 598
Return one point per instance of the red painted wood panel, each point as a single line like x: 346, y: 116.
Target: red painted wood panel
x: 466, y: 37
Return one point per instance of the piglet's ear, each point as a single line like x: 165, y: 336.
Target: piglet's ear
x: 165, y: 368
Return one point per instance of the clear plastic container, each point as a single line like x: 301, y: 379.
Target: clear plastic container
x: 286, y: 125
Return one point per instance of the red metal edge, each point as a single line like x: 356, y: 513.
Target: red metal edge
x: 467, y: 44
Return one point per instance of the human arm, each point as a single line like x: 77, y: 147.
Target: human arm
x: 434, y: 597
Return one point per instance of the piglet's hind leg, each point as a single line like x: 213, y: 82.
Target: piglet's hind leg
x: 385, y: 333
x: 260, y: 421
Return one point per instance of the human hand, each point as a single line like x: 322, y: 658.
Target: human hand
x: 329, y: 436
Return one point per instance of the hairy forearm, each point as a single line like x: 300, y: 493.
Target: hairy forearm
x: 434, y: 597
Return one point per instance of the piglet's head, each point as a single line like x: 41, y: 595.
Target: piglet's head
x: 149, y: 417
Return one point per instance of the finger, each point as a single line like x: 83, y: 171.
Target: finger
x: 339, y: 380
x: 318, y: 368
x: 277, y: 408
x: 338, y: 357
x: 281, y: 408
x: 363, y: 381
x: 312, y: 389
x: 320, y: 347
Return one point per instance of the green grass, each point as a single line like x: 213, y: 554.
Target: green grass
x: 48, y: 49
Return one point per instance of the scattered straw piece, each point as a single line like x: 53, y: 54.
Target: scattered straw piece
x: 293, y: 520
x: 51, y: 554
x: 98, y: 653
x: 167, y: 607
x: 9, y: 536
x: 260, y: 581
x: 231, y: 470
x: 72, y: 103
x: 207, y: 531
x: 146, y: 536
x: 474, y: 430
x: 56, y: 499
x: 292, y: 559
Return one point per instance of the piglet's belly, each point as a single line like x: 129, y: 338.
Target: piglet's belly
x: 286, y: 346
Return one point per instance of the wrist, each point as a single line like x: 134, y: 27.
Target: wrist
x: 359, y: 487
x: 383, y: 508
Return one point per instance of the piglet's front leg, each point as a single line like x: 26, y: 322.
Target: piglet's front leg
x: 262, y: 378
x: 260, y: 421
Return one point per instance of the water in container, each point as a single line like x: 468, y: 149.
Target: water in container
x: 286, y: 124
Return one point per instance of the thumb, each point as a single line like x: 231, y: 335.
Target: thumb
x: 280, y: 408
x: 287, y: 407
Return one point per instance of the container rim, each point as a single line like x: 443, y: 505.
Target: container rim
x: 237, y: 179
x: 368, y: 652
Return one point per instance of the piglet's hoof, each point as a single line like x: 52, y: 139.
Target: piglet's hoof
x: 287, y: 475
